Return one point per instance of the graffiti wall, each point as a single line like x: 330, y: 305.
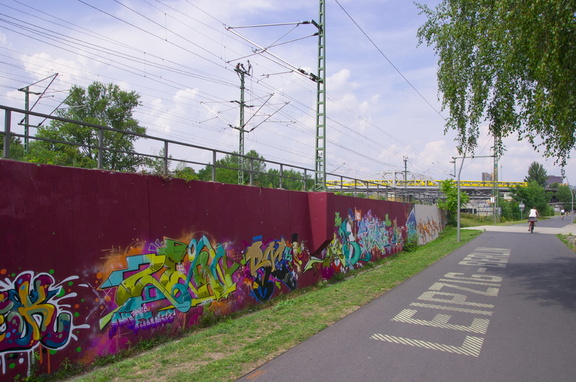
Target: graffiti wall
x: 94, y: 261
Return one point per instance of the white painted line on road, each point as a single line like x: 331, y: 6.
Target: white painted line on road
x: 479, y: 285
x: 452, y: 308
x: 470, y: 347
x: 478, y: 325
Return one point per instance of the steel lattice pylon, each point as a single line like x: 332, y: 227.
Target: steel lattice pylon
x: 320, y: 178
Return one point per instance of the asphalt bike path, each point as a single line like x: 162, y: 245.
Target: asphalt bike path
x: 501, y: 308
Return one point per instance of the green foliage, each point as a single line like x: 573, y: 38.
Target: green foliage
x: 227, y: 169
x: 564, y: 195
x: 471, y: 220
x: 569, y: 240
x: 510, y: 210
x: 184, y: 172
x: 99, y: 104
x: 533, y: 195
x: 291, y: 180
x: 450, y: 202
x: 537, y: 173
x: 411, y: 243
x: 510, y: 62
x: 16, y: 147
x: 227, y: 172
x: 337, y: 278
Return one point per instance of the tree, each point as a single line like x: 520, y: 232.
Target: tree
x: 531, y: 196
x: 185, y: 172
x: 16, y: 147
x: 99, y: 104
x: 510, y: 210
x: 537, y: 173
x: 292, y: 180
x: 564, y: 195
x: 450, y: 202
x: 511, y: 62
x: 227, y: 169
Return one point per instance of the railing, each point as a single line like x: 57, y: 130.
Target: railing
x: 338, y: 183
x: 419, y: 183
x: 167, y: 146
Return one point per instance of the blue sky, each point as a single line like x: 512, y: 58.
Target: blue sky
x: 180, y: 57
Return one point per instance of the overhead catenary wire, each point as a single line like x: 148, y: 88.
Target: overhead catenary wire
x: 387, y: 59
x: 152, y: 84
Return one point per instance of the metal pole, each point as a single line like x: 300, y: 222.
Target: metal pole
x: 26, y: 117
x: 165, y: 158
x: 100, y: 147
x: 572, y: 195
x: 213, y: 166
x: 251, y: 171
x: 405, y: 179
x: 458, y: 197
x: 242, y: 72
x: 495, y: 184
x: 320, y: 181
x: 458, y: 202
x: 7, y: 136
x: 572, y: 200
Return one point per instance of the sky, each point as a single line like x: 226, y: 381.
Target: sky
x: 383, y: 108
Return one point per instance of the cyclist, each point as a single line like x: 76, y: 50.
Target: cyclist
x: 562, y: 212
x: 532, y: 218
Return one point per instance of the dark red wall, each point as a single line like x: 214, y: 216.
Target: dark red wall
x: 94, y: 260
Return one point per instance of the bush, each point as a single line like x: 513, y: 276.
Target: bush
x: 411, y: 244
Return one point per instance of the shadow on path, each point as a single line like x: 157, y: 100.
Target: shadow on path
x: 549, y: 283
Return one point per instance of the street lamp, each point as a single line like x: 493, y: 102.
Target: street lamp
x: 458, y: 188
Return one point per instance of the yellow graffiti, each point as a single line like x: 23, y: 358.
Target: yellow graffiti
x: 334, y: 255
x: 210, y: 271
x: 28, y: 309
x: 208, y: 278
x: 267, y: 258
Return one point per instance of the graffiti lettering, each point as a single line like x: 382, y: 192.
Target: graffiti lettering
x: 274, y: 262
x: 210, y: 273
x: 32, y: 314
x: 182, y: 275
x: 356, y: 239
x: 267, y: 258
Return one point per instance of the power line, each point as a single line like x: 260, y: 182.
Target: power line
x: 387, y: 59
x: 158, y: 75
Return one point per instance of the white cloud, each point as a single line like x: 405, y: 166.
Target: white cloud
x: 181, y: 60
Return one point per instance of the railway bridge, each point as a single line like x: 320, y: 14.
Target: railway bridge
x: 421, y: 190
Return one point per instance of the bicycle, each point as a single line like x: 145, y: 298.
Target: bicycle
x: 531, y: 224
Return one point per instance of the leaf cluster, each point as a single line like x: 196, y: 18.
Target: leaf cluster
x: 98, y: 104
x: 537, y: 173
x: 533, y: 196
x: 450, y: 202
x: 509, y: 62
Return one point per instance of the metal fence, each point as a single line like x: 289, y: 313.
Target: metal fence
x: 185, y: 151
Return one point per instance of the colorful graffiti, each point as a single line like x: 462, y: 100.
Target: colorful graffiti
x: 123, y: 295
x: 427, y: 221
x: 272, y: 263
x: 33, y: 314
x: 172, y: 277
x: 428, y: 229
x: 357, y: 239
